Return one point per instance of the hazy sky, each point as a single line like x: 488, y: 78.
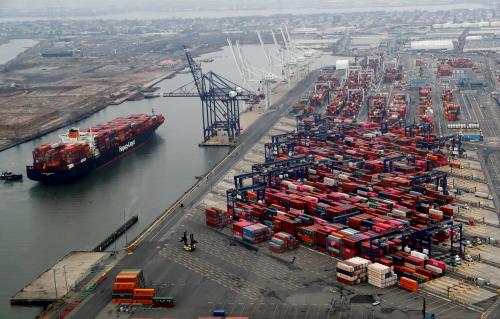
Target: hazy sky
x: 33, y: 4
x: 66, y: 7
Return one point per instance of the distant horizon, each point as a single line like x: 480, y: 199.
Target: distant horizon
x: 53, y: 8
x: 18, y: 11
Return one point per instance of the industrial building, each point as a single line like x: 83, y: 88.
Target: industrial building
x: 431, y: 45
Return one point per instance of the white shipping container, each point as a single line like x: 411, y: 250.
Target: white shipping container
x: 435, y: 269
x: 420, y: 255
x: 435, y: 211
x: 482, y: 195
x: 330, y: 181
x: 343, y: 176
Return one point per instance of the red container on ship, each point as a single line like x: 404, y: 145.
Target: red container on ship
x: 81, y: 151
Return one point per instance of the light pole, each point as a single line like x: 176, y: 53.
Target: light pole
x: 65, y: 279
x: 125, y: 230
x: 55, y: 283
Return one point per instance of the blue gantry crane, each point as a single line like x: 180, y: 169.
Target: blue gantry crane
x: 440, y: 178
x: 220, y: 100
x: 418, y: 238
x: 389, y: 161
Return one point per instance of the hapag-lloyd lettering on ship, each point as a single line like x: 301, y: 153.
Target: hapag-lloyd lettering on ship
x: 125, y: 147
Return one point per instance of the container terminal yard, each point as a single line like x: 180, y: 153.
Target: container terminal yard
x: 368, y: 189
x: 359, y: 194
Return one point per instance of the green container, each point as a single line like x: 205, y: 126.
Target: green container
x: 418, y: 278
x: 167, y: 299
x: 306, y: 231
x: 307, y: 244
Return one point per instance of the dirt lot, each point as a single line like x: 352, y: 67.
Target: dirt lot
x: 39, y: 94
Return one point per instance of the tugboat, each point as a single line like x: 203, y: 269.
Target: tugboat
x: 9, y: 176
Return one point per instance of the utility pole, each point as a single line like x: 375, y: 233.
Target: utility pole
x: 125, y: 231
x: 55, y: 283
x: 423, y: 309
x: 65, y: 278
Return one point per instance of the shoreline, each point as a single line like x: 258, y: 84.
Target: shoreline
x: 57, y: 124
x: 87, y: 113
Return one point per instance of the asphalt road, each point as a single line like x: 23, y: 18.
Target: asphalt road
x: 146, y: 251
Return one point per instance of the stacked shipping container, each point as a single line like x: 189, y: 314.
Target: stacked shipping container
x: 126, y: 282
x: 451, y: 110
x: 352, y: 271
x: 425, y: 110
x: 78, y: 147
x: 381, y: 276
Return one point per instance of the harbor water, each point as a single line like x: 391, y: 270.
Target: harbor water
x: 10, y: 49
x: 39, y: 224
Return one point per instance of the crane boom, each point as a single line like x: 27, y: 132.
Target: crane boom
x: 264, y: 49
x: 236, y: 61
x: 195, y: 71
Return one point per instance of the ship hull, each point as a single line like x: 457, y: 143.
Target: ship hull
x: 62, y: 176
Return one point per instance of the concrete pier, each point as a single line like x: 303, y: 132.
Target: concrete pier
x: 58, y: 280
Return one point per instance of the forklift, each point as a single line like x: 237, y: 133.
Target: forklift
x: 192, y: 242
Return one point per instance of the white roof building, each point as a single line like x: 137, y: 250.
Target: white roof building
x: 438, y: 44
x: 341, y: 64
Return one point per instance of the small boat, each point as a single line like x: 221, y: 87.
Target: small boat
x: 9, y: 176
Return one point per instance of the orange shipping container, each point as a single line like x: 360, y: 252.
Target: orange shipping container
x: 126, y: 278
x: 432, y: 157
x: 408, y: 284
x: 124, y: 285
x: 455, y: 164
x: 144, y: 292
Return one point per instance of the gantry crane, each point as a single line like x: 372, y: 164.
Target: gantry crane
x: 220, y: 100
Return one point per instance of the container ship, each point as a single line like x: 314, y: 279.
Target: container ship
x: 81, y: 151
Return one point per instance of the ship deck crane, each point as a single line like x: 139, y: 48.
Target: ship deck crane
x: 220, y: 100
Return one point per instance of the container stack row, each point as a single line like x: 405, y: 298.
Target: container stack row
x: 129, y: 288
x: 397, y: 107
x: 425, y: 109
x: 113, y: 133
x: 353, y: 271
x: 393, y: 74
x: 281, y: 242
x: 319, y: 94
x: 215, y: 217
x: 377, y: 108
x: 447, y: 66
x: 381, y: 276
x: 125, y: 285
x: 451, y: 110
x: 358, y: 189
